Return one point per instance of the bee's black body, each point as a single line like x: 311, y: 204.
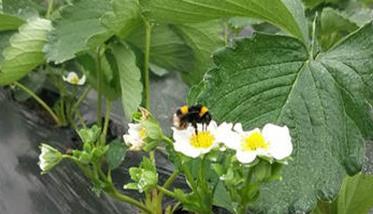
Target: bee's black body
x: 192, y: 115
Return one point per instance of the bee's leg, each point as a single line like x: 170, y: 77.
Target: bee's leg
x: 194, y: 124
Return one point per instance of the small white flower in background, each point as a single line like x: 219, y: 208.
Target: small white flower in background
x: 193, y: 144
x: 74, y: 79
x: 135, y: 137
x: 273, y: 142
x: 48, y: 158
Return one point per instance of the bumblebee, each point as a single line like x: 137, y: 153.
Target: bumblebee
x: 193, y: 115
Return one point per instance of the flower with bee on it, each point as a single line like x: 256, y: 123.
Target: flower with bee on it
x: 194, y: 143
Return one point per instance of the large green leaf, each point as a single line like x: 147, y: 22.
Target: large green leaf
x: 130, y: 78
x: 204, y: 39
x: 167, y: 51
x: 356, y: 196
x: 124, y: 18
x: 9, y: 22
x: 323, y: 102
x: 286, y: 14
x: 24, y: 52
x: 21, y: 8
x: 78, y: 25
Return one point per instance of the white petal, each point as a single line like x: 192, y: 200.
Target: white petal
x: 133, y: 143
x: 212, y: 126
x: 82, y: 80
x: 279, y: 140
x: 245, y: 157
x: 65, y: 79
x: 71, y: 76
x: 225, y: 135
x: 134, y: 130
x: 182, y: 135
x: 238, y: 128
x: 187, y: 149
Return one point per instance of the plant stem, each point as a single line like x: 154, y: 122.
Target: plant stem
x: 81, y: 119
x: 99, y: 87
x: 168, y: 140
x: 80, y: 99
x: 40, y: 101
x: 106, y: 123
x: 121, y: 197
x: 166, y: 191
x: 148, y: 33
x: 166, y: 185
x: 171, y: 179
x: 314, y: 39
x: 50, y: 8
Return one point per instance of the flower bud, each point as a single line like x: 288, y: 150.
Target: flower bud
x: 48, y: 158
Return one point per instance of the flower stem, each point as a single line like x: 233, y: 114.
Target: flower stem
x: 50, y: 9
x: 148, y: 33
x: 171, y: 179
x: 40, y: 101
x: 121, y: 197
x: 106, y: 122
x: 166, y: 185
x: 168, y: 140
x: 99, y: 86
x: 166, y: 191
x: 80, y: 99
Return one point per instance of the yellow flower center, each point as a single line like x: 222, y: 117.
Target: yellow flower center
x: 74, y: 80
x: 254, y: 142
x: 142, y: 133
x: 202, y: 140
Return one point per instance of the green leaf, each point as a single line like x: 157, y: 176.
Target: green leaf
x: 222, y: 197
x: 116, y: 154
x: 124, y: 18
x: 24, y: 52
x: 145, y: 176
x: 204, y: 38
x: 333, y: 27
x: 77, y: 30
x: 110, y: 85
x: 89, y: 135
x: 356, y: 196
x: 130, y: 78
x: 9, y: 22
x: 21, y: 8
x: 313, y: 3
x: 272, y: 79
x: 361, y: 16
x: 4, y: 43
x: 286, y: 14
x: 167, y: 51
